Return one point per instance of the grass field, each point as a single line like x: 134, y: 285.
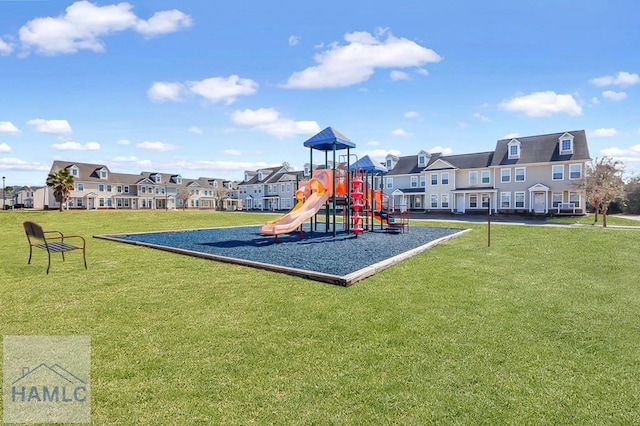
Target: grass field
x: 542, y: 327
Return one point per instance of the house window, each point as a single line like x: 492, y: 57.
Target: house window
x: 414, y: 181
x: 421, y: 160
x: 566, y: 146
x: 434, y: 201
x: 389, y: 163
x: 119, y: 202
x: 103, y: 174
x: 473, y: 178
x: 109, y: 188
x: 445, y: 178
x: 126, y: 202
x: 514, y: 149
x: 74, y: 171
x: 79, y: 202
x: 445, y: 201
x: 505, y: 175
x: 519, y: 199
x: 288, y: 188
x: 486, y: 177
x: 505, y: 200
x: 473, y: 201
x: 556, y: 199
x: 126, y: 188
x: 574, y: 197
x: 143, y: 189
x: 485, y: 201
x: 520, y: 174
x: 423, y: 181
x: 80, y: 186
x: 558, y: 172
x: 109, y: 202
x: 389, y: 182
x: 178, y: 180
x: 101, y: 188
x: 434, y: 178
x: 119, y: 188
x: 101, y: 202
x: 575, y: 171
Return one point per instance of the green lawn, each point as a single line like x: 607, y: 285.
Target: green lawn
x: 543, y: 327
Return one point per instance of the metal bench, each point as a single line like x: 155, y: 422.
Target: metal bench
x: 41, y: 239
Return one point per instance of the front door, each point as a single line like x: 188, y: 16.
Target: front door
x: 90, y: 203
x: 460, y: 207
x: 539, y: 202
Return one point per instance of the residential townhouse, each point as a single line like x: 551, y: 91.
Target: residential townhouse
x: 538, y: 174
x: 271, y: 188
x: 96, y: 187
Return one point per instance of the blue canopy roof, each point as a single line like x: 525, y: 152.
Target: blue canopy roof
x: 328, y: 140
x: 368, y: 164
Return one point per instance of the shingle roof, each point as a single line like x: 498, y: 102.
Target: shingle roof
x: 406, y: 166
x: 476, y: 160
x: 542, y: 149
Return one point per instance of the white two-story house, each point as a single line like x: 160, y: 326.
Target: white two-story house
x: 539, y: 174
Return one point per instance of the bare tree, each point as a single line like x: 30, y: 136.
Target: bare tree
x: 183, y: 195
x: 604, y: 185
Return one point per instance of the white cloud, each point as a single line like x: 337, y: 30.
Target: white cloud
x: 511, y: 136
x: 4, y: 147
x: 411, y: 114
x: 614, y: 96
x: 294, y: 40
x: 75, y: 146
x: 399, y: 75
x: 623, y: 79
x: 129, y: 159
x: 268, y: 120
x: 83, y: 25
x: 401, y: 132
x: 17, y: 164
x: 124, y: 142
x: 380, y: 154
x: 221, y: 89
x: 50, y: 126
x: 156, y: 146
x: 462, y: 124
x: 481, y: 117
x: 595, y: 100
x: 8, y: 127
x: 168, y: 21
x: 542, y: 104
x: 442, y: 150
x: 195, y: 130
x: 373, y: 143
x: 5, y: 47
x: 604, y: 133
x: 357, y: 61
x: 161, y: 91
x: 630, y: 157
x: 232, y: 152
x: 638, y: 131
x: 422, y: 71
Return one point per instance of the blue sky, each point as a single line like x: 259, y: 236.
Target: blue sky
x: 215, y: 88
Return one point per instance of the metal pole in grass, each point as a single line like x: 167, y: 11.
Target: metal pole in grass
x: 489, y: 224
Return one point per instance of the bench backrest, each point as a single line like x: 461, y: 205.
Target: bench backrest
x: 33, y: 230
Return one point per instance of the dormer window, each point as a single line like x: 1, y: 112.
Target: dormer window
x: 74, y: 171
x: 422, y: 159
x: 566, y: 144
x: 514, y: 149
x: 306, y: 170
x: 156, y: 178
x: 103, y: 174
x: 179, y: 180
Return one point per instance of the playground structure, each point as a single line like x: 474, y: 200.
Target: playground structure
x: 339, y: 186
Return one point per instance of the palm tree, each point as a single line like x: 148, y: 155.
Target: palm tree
x: 62, y: 183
